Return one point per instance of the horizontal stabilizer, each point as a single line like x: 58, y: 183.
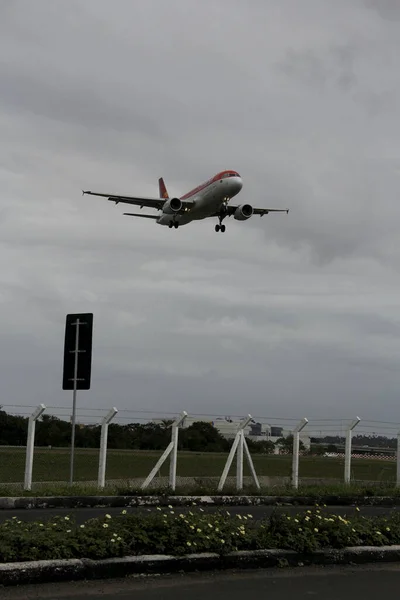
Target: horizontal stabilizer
x: 143, y: 216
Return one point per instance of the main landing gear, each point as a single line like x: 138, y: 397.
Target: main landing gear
x: 221, y: 216
x: 172, y: 224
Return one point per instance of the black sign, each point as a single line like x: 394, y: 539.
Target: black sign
x: 84, y: 355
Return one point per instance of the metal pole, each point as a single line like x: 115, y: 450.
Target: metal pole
x: 239, y: 463
x: 172, y: 448
x: 296, y: 448
x: 398, y: 461
x: 158, y: 465
x: 71, y: 474
x: 347, y: 456
x: 103, y: 447
x: 30, y: 445
x: 174, y: 454
x: 234, y: 447
x: 251, y: 465
x: 173, y: 457
x: 228, y: 462
x: 295, y: 460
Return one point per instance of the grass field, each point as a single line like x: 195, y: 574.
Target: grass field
x: 53, y: 465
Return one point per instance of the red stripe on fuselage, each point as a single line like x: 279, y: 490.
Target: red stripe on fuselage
x: 207, y: 183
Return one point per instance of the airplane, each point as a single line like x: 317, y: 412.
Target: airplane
x: 210, y: 199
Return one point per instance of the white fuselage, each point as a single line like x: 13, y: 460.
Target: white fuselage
x: 207, y: 198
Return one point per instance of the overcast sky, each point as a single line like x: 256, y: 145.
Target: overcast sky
x: 285, y: 316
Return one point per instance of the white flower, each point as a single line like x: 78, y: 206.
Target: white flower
x: 105, y: 525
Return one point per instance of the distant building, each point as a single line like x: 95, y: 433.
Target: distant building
x: 257, y: 432
x: 276, y: 432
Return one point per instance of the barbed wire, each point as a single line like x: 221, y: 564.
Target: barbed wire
x: 314, y: 426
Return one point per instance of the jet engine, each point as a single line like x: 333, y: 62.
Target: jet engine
x: 172, y: 205
x: 243, y: 212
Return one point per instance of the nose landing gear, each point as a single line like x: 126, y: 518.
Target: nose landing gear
x: 220, y: 228
x: 172, y: 224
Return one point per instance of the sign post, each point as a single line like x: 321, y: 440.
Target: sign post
x: 77, y: 364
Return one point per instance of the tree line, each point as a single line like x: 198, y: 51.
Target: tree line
x: 368, y: 444
x: 199, y: 437
x: 55, y: 432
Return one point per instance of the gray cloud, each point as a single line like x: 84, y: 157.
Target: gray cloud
x: 387, y: 9
x: 334, y: 66
x: 282, y: 316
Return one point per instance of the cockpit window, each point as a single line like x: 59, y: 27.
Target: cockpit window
x: 229, y: 175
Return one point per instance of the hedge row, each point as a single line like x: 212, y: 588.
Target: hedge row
x: 173, y: 532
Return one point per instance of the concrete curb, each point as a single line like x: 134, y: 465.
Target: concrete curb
x: 47, y: 571
x: 26, y: 502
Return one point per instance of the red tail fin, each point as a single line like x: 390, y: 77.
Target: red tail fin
x: 162, y: 188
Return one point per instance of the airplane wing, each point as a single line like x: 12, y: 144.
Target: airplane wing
x: 143, y: 216
x: 265, y: 211
x: 230, y: 209
x: 156, y: 203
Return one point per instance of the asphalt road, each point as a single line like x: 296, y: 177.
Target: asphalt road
x: 82, y: 515
x: 329, y: 583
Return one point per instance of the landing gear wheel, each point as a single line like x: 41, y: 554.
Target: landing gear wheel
x: 176, y: 224
x: 223, y: 228
x: 217, y: 228
x: 171, y: 224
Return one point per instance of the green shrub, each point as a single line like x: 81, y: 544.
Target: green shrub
x: 176, y: 532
